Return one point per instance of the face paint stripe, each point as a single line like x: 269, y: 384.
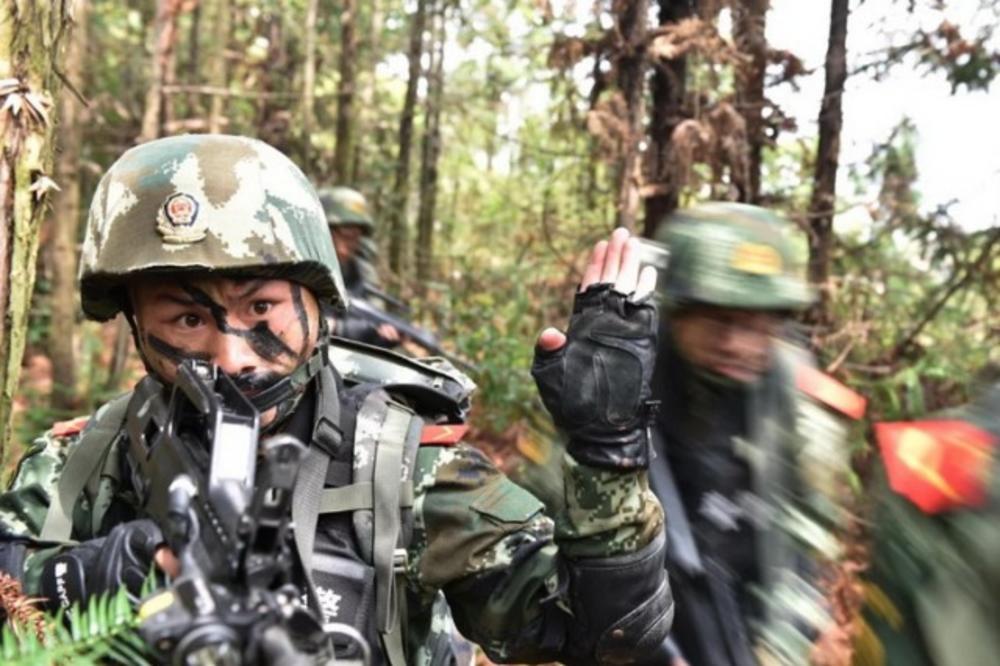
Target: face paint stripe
x: 264, y: 342
x: 300, y: 310
x: 175, y: 354
x: 261, y: 338
x: 219, y: 313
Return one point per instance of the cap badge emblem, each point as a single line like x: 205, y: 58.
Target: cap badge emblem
x: 177, y: 220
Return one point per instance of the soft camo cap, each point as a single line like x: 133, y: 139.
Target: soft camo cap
x: 205, y: 202
x: 731, y: 255
x: 346, y: 207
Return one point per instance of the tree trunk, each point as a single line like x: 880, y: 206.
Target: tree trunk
x: 669, y: 88
x: 217, y: 67
x: 824, y: 194
x: 195, y: 108
x: 750, y: 19
x: 401, y: 185
x: 309, y: 81
x: 66, y: 222
x: 345, y: 93
x: 164, y: 43
x: 31, y: 35
x: 431, y: 151
x: 368, y: 92
x: 631, y: 66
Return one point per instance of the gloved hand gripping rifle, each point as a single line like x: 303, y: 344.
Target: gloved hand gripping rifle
x: 222, y: 501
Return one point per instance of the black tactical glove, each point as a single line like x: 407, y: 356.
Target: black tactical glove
x: 99, y: 566
x: 597, y: 386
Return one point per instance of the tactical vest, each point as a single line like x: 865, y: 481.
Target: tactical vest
x: 363, y: 588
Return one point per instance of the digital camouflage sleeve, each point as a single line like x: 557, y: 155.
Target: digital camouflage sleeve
x: 24, y: 505
x: 505, y: 566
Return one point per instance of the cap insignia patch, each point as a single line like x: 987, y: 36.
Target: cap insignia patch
x: 756, y: 259
x: 177, y: 220
x: 357, y: 206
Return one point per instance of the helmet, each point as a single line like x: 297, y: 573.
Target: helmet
x: 205, y: 202
x: 731, y: 255
x: 344, y: 206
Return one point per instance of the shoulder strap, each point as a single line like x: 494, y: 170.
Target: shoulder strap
x: 400, y: 426
x: 312, y: 470
x: 80, y: 465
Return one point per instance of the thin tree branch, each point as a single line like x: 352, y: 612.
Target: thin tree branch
x: 951, y: 290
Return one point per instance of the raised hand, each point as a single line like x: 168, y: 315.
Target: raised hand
x: 594, y: 379
x: 614, y: 261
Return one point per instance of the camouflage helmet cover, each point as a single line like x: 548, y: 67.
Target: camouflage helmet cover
x: 731, y: 255
x: 344, y: 206
x: 205, y: 203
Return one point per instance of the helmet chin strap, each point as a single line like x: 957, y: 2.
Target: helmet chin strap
x: 286, y: 393
x: 294, y: 383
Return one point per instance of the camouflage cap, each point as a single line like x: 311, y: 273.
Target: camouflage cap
x: 731, y: 255
x: 205, y: 203
x: 344, y: 206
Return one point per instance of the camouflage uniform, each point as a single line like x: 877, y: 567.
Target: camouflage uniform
x: 524, y: 585
x: 746, y: 472
x: 344, y: 207
x: 933, y: 589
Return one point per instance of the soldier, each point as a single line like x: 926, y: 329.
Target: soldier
x: 216, y: 250
x: 748, y: 434
x: 352, y: 226
x: 933, y: 592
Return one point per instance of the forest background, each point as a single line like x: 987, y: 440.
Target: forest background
x: 497, y: 139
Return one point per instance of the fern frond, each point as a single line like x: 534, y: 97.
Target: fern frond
x: 105, y: 630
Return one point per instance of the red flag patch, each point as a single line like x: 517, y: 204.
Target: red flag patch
x: 443, y: 435
x: 937, y: 465
x: 69, y: 428
x: 821, y: 386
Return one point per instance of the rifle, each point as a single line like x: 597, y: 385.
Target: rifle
x: 415, y: 334
x: 700, y: 581
x: 390, y: 300
x: 222, y: 499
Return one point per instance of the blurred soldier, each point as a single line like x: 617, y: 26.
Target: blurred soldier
x: 351, y: 226
x: 749, y: 437
x: 216, y: 250
x: 933, y: 597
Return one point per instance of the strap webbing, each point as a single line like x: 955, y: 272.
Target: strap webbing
x: 81, y: 463
x: 359, y: 496
x: 305, y: 503
x: 386, y: 494
x: 388, y: 462
x: 312, y: 470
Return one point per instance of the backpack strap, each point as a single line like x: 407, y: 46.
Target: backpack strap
x: 82, y: 462
x: 401, y: 426
x: 312, y: 470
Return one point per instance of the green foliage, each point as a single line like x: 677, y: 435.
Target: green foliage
x: 103, y: 632
x: 917, y: 301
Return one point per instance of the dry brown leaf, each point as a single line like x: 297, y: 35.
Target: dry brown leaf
x: 692, y: 140
x: 692, y: 35
x: 21, y: 610
x: 8, y: 86
x: 608, y: 123
x: 567, y: 51
x: 38, y: 104
x: 42, y: 186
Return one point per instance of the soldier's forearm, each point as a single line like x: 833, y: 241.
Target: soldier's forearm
x: 606, y: 512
